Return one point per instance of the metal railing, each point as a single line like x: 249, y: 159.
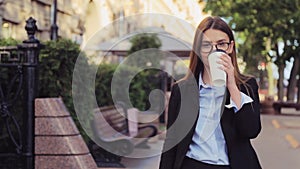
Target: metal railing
x: 18, y: 89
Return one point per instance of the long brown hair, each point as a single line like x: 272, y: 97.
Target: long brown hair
x: 196, y: 65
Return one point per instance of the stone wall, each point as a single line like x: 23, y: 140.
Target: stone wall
x: 69, y: 18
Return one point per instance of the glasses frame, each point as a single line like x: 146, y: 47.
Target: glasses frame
x: 216, y: 46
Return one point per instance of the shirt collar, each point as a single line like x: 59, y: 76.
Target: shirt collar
x: 201, y: 83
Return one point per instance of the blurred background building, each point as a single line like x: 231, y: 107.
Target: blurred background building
x: 79, y: 20
x: 13, y: 14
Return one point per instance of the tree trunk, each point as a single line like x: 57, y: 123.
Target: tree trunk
x: 280, y: 82
x: 271, y: 80
x: 298, y: 98
x: 293, y: 81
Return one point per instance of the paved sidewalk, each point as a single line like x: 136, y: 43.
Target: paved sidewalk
x: 278, y: 145
x: 150, y: 162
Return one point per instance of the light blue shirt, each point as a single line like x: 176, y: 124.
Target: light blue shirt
x: 208, y: 143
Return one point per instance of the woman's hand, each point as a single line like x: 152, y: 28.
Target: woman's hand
x: 227, y: 66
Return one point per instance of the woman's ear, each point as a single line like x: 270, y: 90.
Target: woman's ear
x: 230, y: 49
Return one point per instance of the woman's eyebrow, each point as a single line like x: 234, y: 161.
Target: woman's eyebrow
x: 222, y: 40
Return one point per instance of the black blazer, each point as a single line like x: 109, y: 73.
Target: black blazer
x: 238, y: 128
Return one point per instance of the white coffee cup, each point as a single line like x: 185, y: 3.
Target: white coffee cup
x: 218, y: 76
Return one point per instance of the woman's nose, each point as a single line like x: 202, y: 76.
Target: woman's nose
x: 214, y: 47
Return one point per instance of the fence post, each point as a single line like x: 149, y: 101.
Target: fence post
x: 31, y: 48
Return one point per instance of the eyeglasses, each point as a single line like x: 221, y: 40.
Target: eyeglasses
x: 207, y: 47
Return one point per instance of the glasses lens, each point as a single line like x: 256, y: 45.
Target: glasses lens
x: 223, y: 46
x: 206, y: 47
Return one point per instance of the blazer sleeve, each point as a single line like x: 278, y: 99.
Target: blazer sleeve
x: 247, y: 119
x: 169, y: 153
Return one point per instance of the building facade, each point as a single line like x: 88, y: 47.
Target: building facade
x: 79, y: 20
x: 14, y: 13
x: 101, y: 13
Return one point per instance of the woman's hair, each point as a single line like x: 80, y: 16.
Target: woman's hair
x: 196, y: 65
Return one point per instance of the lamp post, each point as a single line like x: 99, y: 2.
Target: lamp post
x: 54, y: 27
x: 30, y: 48
x: 1, y: 16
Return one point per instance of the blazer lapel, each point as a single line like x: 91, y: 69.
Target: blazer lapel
x: 190, y: 90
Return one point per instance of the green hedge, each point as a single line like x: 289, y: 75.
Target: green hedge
x: 57, y: 61
x: 140, y: 85
x: 9, y: 42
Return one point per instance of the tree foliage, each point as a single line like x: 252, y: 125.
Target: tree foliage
x: 140, y: 42
x: 263, y: 26
x: 144, y: 41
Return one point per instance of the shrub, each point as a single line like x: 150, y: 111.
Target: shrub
x: 56, y: 66
x: 9, y: 42
x: 139, y: 87
x: 57, y: 62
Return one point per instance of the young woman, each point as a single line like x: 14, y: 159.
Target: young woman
x: 210, y: 127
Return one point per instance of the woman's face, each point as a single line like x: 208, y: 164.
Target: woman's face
x: 211, y: 39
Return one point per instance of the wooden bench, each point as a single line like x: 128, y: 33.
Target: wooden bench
x: 278, y: 105
x: 117, y: 133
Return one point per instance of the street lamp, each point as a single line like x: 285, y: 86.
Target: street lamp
x: 54, y: 27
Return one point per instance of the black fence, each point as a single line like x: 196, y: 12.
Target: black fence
x: 18, y: 89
